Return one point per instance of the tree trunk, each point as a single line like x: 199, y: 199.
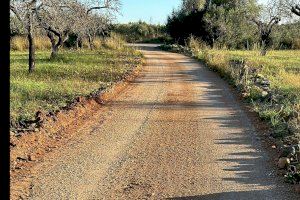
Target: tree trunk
x: 30, y: 37
x: 248, y: 45
x: 263, y: 48
x: 54, y: 46
x: 77, y: 43
x: 90, y: 42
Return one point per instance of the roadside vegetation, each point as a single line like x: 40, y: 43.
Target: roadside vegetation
x: 257, y: 49
x: 71, y: 74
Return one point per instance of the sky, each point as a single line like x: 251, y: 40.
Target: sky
x: 151, y: 11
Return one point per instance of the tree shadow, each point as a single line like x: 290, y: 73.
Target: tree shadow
x: 242, y: 195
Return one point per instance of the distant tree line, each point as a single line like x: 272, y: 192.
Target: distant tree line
x: 141, y: 32
x: 237, y: 24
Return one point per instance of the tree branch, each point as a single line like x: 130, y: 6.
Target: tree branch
x: 96, y: 8
x: 274, y: 20
x: 257, y: 22
x: 296, y: 10
x: 45, y: 25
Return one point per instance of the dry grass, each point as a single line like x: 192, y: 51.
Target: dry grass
x: 20, y: 43
x: 115, y: 41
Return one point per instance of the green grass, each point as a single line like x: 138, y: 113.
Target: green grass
x: 56, y: 82
x: 282, y: 68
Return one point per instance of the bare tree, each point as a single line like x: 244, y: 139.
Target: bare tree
x: 62, y: 17
x: 270, y: 17
x: 24, y: 12
x: 57, y: 18
x: 97, y: 22
x: 289, y: 6
x: 265, y: 30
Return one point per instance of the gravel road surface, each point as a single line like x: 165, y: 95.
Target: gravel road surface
x: 176, y: 132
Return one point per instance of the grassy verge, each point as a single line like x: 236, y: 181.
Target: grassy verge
x: 270, y: 83
x: 71, y: 74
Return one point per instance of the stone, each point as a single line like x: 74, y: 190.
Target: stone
x: 288, y: 151
x: 297, y: 188
x: 283, y: 162
x: 265, y: 82
x: 31, y: 158
x: 245, y: 94
x: 264, y: 93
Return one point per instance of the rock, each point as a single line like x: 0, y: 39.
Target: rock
x: 297, y: 188
x: 23, y: 159
x: 259, y: 76
x: 283, y: 162
x: 295, y: 148
x: 39, y: 117
x: 288, y: 151
x: 292, y: 169
x: 264, y: 94
x: 245, y: 94
x: 80, y: 99
x: 31, y: 158
x: 265, y: 82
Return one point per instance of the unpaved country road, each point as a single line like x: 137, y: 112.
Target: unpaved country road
x: 176, y: 132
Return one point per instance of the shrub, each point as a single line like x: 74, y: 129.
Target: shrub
x: 115, y: 42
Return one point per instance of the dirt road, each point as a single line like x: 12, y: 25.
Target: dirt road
x: 176, y: 132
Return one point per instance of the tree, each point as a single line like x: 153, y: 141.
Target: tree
x: 57, y: 18
x: 289, y: 6
x: 269, y: 17
x: 265, y: 30
x: 60, y: 18
x: 98, y: 22
x: 213, y: 21
x: 24, y: 12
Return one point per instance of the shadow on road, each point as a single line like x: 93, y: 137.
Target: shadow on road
x: 248, y: 162
x: 243, y: 195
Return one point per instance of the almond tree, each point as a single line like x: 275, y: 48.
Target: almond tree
x: 97, y: 21
x: 57, y: 18
x: 24, y: 12
x: 62, y: 17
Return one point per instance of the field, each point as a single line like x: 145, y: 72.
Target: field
x: 282, y: 68
x: 71, y: 74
